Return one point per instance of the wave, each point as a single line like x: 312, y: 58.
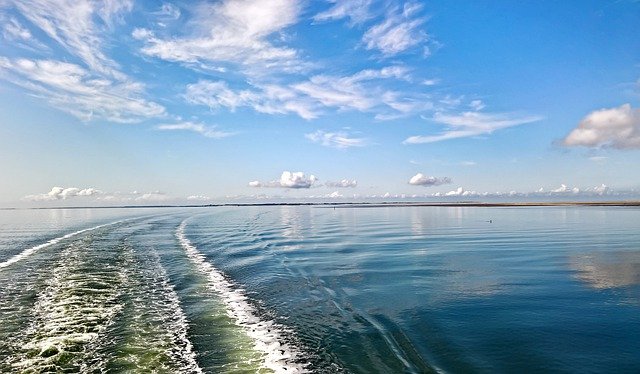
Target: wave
x: 267, y: 335
x: 29, y: 251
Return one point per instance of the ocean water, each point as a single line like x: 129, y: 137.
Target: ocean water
x: 291, y: 289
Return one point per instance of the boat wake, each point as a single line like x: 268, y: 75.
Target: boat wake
x: 268, y: 336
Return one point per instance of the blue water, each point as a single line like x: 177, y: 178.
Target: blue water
x: 317, y: 289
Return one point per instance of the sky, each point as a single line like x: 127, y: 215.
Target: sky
x: 145, y: 102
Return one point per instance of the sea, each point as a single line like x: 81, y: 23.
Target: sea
x: 320, y: 289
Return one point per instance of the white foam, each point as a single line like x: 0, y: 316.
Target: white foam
x: 179, y: 329
x: 28, y: 252
x: 267, y: 335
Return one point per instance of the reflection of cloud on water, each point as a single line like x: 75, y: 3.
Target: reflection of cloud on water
x: 608, y: 270
x: 291, y: 226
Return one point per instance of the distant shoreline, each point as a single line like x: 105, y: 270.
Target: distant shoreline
x: 472, y: 204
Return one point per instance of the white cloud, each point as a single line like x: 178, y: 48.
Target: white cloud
x: 616, y: 127
x: 94, y: 86
x: 399, y: 31
x: 602, y: 189
x: 79, y: 92
x: 340, y: 139
x: 336, y: 92
x: 62, y: 193
x: 461, y: 192
x: 13, y: 30
x: 477, y: 105
x: 335, y: 194
x: 206, y: 131
x: 563, y: 189
x: 308, y: 98
x: 269, y: 99
x: 471, y: 124
x: 344, y: 183
x: 424, y: 180
x: 167, y: 13
x: 289, y: 180
x: 356, y: 10
x: 431, y: 82
x: 94, y: 195
x: 232, y: 31
x: 297, y: 180
x: 72, y: 24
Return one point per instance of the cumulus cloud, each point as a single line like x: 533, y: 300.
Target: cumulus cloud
x: 62, y: 193
x: 93, y: 195
x: 232, y: 31
x: 344, y: 183
x: 340, y: 139
x: 297, y: 180
x: 471, y: 124
x: 206, y: 131
x: 461, y: 192
x: 398, y: 32
x: 424, y: 180
x: 289, y: 179
x: 562, y: 191
x: 616, y: 127
x: 335, y: 195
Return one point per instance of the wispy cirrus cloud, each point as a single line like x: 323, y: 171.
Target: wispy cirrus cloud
x: 340, y: 139
x: 356, y: 10
x: 362, y: 91
x: 80, y: 92
x: 14, y: 30
x: 93, y: 85
x: 471, y: 124
x: 269, y: 99
x: 231, y: 32
x: 400, y: 31
x: 199, y: 128
x: 72, y: 24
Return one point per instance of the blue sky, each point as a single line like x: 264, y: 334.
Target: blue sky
x: 109, y: 102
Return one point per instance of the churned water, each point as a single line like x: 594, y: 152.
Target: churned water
x: 291, y: 289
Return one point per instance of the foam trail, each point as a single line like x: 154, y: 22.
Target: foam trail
x: 73, y: 312
x: 267, y: 335
x: 158, y: 325
x: 28, y: 252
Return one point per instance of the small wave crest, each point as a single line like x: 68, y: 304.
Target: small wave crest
x: 267, y: 335
x: 29, y: 251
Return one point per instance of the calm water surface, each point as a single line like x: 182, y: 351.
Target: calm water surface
x: 310, y: 289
